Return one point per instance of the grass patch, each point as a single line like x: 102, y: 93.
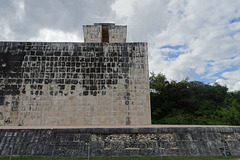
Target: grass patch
x: 124, y: 158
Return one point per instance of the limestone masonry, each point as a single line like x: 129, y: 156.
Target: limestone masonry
x: 144, y: 141
x: 104, y: 32
x: 103, y: 81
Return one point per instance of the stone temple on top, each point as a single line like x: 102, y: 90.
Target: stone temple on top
x: 104, y: 33
x: 101, y: 82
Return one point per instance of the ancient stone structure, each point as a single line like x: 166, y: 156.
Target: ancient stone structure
x: 81, y: 86
x: 103, y: 81
x: 104, y: 32
x: 145, y: 141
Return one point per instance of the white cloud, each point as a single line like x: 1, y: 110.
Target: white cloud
x: 213, y: 43
x: 49, y: 35
x: 27, y: 17
x: 4, y: 30
x: 144, y: 18
x: 20, y: 9
x: 123, y: 8
x: 232, y: 79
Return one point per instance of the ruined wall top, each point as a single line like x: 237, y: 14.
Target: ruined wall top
x: 104, y: 33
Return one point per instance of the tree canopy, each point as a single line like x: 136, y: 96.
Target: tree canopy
x: 192, y: 102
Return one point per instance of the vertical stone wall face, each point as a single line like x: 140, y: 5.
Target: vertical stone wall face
x: 92, y: 34
x: 117, y: 34
x: 190, y: 141
x: 44, y: 84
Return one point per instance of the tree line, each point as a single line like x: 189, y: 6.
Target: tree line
x: 192, y: 102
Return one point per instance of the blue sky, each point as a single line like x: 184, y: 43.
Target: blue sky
x: 198, y: 39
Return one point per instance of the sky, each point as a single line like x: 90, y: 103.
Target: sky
x: 194, y: 39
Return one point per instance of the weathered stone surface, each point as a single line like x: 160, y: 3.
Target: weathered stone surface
x: 56, y: 84
x: 96, y: 33
x: 121, y: 141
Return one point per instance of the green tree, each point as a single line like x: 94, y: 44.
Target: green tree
x: 158, y: 86
x: 230, y: 112
x: 192, y: 102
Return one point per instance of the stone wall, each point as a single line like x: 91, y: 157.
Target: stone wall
x: 60, y: 84
x: 150, y: 141
x: 93, y: 33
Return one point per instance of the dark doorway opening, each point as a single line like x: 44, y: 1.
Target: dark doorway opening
x: 105, y: 35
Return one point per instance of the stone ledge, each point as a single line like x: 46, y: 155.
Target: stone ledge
x: 130, y: 129
x: 121, y: 140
